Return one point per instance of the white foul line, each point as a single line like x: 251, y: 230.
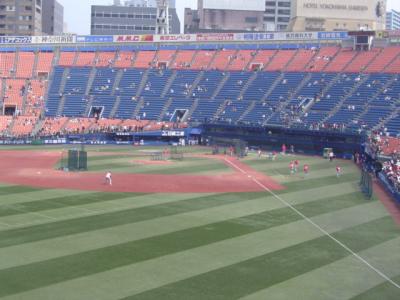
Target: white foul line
x: 380, y: 273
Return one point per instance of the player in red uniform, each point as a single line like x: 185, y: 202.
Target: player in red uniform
x: 283, y: 149
x: 291, y: 167
x: 305, y: 169
x: 338, y: 171
x: 296, y: 165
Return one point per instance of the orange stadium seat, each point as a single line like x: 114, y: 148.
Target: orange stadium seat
x: 341, y: 60
x: 45, y: 60
x: 183, y: 59
x: 241, y: 60
x: 301, y: 60
x: 52, y: 126
x: 14, y: 92
x: 67, y: 58
x: 222, y: 59
x: 105, y: 59
x: 394, y: 66
x: 202, y: 59
x: 383, y: 59
x: 23, y: 125
x: 5, y: 122
x: 85, y: 59
x: 35, y: 98
x: 165, y: 56
x: 263, y: 57
x: 280, y: 60
x: 323, y: 56
x: 25, y: 64
x: 144, y: 59
x: 362, y: 60
x: 7, y: 61
x: 124, y: 59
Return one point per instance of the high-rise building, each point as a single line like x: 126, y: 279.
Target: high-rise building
x: 393, y: 20
x: 132, y: 17
x: 225, y: 16
x: 20, y: 17
x: 52, y: 17
x: 277, y: 15
x: 338, y: 15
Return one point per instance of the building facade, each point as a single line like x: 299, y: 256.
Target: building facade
x: 337, y: 15
x: 225, y: 16
x: 20, y: 17
x: 393, y: 20
x: 52, y: 17
x: 133, y: 17
x: 277, y: 15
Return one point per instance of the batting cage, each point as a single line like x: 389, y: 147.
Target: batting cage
x: 77, y: 160
x: 366, y: 184
x: 235, y: 147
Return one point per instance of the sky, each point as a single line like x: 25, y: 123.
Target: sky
x: 77, y: 12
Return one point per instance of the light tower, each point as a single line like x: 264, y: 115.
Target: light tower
x: 162, y: 26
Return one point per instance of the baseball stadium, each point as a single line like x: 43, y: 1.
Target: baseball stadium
x: 200, y: 166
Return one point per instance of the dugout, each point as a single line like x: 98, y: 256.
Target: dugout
x: 306, y: 141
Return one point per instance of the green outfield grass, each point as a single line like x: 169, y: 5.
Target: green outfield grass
x: 62, y: 244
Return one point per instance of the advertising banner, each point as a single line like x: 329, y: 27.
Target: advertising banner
x: 15, y: 39
x: 332, y: 35
x: 254, y: 36
x: 215, y: 37
x: 175, y: 38
x: 94, y: 39
x: 133, y: 38
x: 54, y: 39
x: 295, y: 36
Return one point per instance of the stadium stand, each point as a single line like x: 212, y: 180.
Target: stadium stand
x: 313, y: 87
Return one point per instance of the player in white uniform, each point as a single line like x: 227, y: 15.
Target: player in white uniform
x: 108, y: 178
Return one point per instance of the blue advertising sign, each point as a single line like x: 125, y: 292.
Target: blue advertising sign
x: 94, y: 39
x: 15, y: 39
x: 258, y: 36
x: 332, y: 35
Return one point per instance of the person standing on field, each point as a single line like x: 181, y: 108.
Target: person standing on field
x: 108, y: 179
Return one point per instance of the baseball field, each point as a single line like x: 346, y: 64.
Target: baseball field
x: 204, y: 227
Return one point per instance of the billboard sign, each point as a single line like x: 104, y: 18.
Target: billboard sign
x: 332, y: 35
x: 215, y: 37
x: 94, y: 39
x: 340, y: 9
x: 15, y: 39
x: 249, y: 5
x: 54, y: 39
x: 175, y: 38
x: 133, y: 38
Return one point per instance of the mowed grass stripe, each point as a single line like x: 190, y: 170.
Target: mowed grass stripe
x: 318, y: 182
x: 170, y: 269
x: 384, y: 290
x: 343, y: 279
x: 147, y: 200
x: 38, y: 196
x: 95, y: 222
x: 64, y: 201
x: 57, y: 247
x: 16, y: 189
x: 87, y: 263
x: 258, y: 273
x: 174, y: 168
x: 96, y: 208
